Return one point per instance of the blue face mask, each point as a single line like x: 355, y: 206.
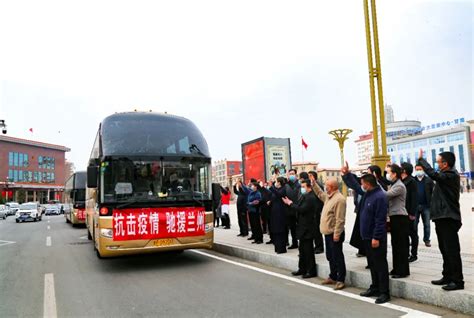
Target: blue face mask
x: 293, y: 178
x: 303, y: 190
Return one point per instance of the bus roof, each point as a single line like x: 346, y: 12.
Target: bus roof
x: 80, y: 180
x: 151, y: 134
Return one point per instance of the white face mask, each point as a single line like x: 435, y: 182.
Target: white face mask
x: 420, y: 173
x: 389, y: 177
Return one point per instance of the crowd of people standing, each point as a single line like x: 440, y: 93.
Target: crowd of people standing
x: 298, y: 212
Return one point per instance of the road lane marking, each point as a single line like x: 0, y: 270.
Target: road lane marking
x: 410, y: 313
x: 83, y: 237
x: 49, y: 227
x: 48, y: 240
x: 49, y: 304
x: 6, y: 242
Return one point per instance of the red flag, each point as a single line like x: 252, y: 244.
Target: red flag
x: 305, y: 145
x: 31, y: 130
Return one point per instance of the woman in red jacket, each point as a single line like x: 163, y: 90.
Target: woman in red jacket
x: 225, y: 201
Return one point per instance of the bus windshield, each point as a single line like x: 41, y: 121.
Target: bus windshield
x: 126, y: 180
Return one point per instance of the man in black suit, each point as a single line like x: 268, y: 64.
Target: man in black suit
x: 305, y: 209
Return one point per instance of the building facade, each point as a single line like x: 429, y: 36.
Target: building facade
x: 305, y: 166
x: 405, y: 139
x: 223, y: 170
x: 31, y: 170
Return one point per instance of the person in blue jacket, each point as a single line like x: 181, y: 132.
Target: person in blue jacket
x: 254, y: 198
x: 373, y: 218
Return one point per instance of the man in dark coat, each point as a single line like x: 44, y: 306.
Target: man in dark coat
x: 318, y: 239
x: 446, y: 214
x: 411, y: 204
x: 241, y: 208
x: 278, y: 216
x: 425, y: 191
x: 305, y: 209
x: 292, y: 189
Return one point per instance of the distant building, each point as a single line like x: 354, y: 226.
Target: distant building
x: 223, y: 170
x: 406, y: 138
x: 31, y: 170
x: 389, y: 115
x: 306, y: 166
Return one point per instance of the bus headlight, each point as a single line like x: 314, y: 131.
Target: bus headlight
x: 106, y: 233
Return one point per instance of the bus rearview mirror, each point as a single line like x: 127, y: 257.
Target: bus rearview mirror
x: 92, y: 172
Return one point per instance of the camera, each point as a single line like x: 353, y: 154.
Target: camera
x: 4, y: 131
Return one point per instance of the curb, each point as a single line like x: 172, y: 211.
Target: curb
x: 461, y: 301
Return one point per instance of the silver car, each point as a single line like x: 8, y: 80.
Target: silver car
x: 3, y: 211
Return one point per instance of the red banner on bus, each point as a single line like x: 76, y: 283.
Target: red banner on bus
x: 153, y: 223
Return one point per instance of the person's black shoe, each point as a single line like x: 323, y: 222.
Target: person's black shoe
x: 442, y: 281
x: 309, y: 275
x: 370, y: 293
x: 412, y: 259
x: 250, y: 238
x: 392, y: 272
x: 292, y: 247
x: 227, y: 228
x: 367, y: 267
x: 399, y: 276
x: 239, y: 235
x: 383, y: 298
x: 258, y: 242
x: 264, y: 232
x: 453, y: 286
x: 281, y: 252
x: 269, y: 242
x: 319, y: 251
x: 297, y: 273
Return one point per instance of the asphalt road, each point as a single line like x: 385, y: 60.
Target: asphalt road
x: 61, y: 275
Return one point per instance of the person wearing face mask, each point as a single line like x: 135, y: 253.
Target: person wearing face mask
x: 264, y: 207
x: 293, y: 189
x: 411, y: 204
x: 425, y: 190
x: 318, y: 240
x: 353, y: 183
x: 373, y: 216
x: 278, y: 217
x: 305, y: 209
x: 399, y: 221
x: 241, y: 208
x: 253, y: 204
x: 333, y: 219
x: 446, y: 214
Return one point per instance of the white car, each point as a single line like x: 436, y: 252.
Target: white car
x: 28, y: 212
x: 3, y: 211
x: 12, y: 207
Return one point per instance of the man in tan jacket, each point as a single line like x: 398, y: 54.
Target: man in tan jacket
x: 333, y: 219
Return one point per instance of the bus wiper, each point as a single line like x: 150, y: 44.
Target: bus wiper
x: 130, y: 202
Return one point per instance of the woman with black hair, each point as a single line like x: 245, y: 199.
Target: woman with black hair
x: 377, y: 172
x: 278, y: 215
x: 399, y: 222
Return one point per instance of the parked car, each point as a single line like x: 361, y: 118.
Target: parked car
x: 28, y: 212
x: 52, y: 209
x: 12, y: 207
x: 3, y: 211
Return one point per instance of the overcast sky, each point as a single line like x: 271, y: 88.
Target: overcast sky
x: 238, y: 69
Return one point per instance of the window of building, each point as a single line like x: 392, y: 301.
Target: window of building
x: 420, y: 143
x: 433, y: 158
x: 451, y: 148
x: 15, y: 175
x: 408, y: 158
x: 456, y: 137
x: 404, y: 146
x: 15, y: 159
x: 441, y: 149
x: 40, y: 162
x: 437, y: 140
x: 10, y: 159
x: 20, y: 160
x: 25, y: 160
x: 20, y: 175
x: 52, y: 177
x: 461, y: 158
x: 10, y: 175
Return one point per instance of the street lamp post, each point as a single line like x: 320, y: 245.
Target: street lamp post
x: 340, y: 135
x: 380, y: 156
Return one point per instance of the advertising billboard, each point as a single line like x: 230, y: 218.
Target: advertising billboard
x: 253, y: 160
x: 263, y: 157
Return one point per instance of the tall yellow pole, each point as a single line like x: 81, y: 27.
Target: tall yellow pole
x: 379, y: 158
x: 371, y: 78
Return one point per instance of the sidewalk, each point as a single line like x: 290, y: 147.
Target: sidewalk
x: 416, y: 287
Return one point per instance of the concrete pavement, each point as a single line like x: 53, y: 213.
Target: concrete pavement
x: 417, y: 287
x: 65, y: 279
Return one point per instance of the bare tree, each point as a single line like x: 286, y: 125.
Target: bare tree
x: 70, y: 168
